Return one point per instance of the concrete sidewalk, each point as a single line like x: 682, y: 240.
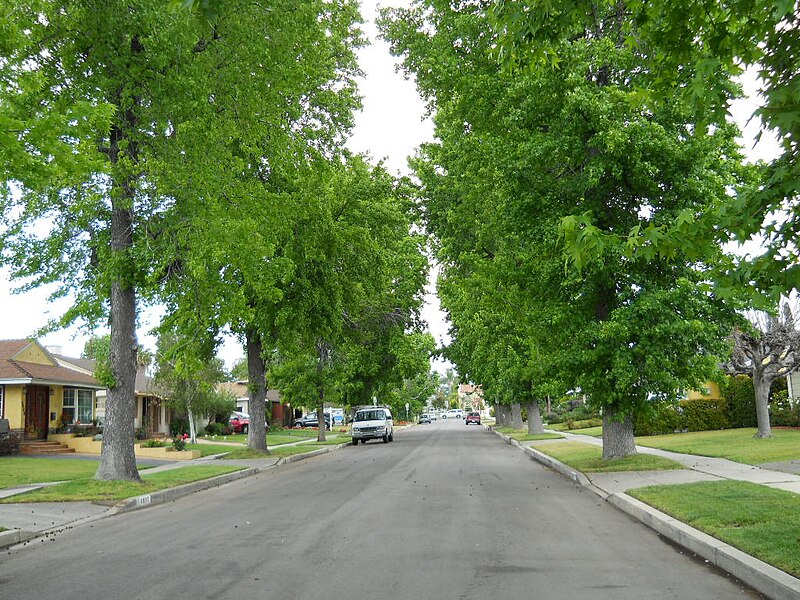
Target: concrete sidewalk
x: 770, y: 581
x: 699, y: 468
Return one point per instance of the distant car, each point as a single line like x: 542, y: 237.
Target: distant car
x: 424, y: 418
x: 453, y: 413
x: 239, y: 422
x: 473, y: 417
x: 311, y: 420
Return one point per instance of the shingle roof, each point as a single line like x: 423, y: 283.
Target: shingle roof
x: 37, y: 373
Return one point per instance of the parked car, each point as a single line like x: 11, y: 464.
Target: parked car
x: 239, y: 422
x: 373, y: 423
x: 424, y: 418
x: 453, y: 413
x: 473, y: 417
x: 311, y: 420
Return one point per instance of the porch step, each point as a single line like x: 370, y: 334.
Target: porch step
x: 44, y: 447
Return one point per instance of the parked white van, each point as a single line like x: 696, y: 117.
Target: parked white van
x: 371, y: 424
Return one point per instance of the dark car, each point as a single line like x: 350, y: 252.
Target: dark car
x: 311, y: 420
x: 473, y: 417
x: 239, y: 422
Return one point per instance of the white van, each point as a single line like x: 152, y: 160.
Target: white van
x: 371, y: 424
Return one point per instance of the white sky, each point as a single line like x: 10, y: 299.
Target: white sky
x: 390, y: 127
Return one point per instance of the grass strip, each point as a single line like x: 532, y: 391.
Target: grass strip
x: 588, y: 458
x: 522, y: 435
x: 758, y: 520
x: 88, y: 489
x: 734, y: 444
x: 20, y: 470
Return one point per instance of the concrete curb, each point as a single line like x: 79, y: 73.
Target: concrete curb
x: 169, y: 494
x: 764, y: 578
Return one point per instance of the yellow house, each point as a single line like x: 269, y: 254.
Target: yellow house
x: 709, y: 391
x: 38, y: 393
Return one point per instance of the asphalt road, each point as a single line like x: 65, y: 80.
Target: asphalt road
x: 446, y: 511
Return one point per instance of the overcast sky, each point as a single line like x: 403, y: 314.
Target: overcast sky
x: 390, y: 127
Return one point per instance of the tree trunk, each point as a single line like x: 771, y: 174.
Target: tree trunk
x: 761, y: 387
x: 323, y: 356
x: 535, y: 426
x: 499, y: 415
x: 257, y: 391
x: 192, y: 427
x: 118, y: 456
x: 516, y: 415
x: 618, y: 438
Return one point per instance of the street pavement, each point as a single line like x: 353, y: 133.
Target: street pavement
x: 31, y: 520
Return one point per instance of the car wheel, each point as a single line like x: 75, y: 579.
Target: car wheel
x: 385, y: 439
x: 363, y: 441
x: 391, y: 437
x: 355, y: 442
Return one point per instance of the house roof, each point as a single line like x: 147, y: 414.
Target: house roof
x: 14, y: 369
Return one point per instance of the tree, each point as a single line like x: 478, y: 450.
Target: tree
x: 768, y: 350
x: 695, y: 49
x: 546, y: 172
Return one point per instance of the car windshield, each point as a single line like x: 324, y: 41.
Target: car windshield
x: 370, y: 415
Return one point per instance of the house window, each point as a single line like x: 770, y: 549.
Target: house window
x: 78, y: 405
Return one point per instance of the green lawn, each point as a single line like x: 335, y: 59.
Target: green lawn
x: 734, y: 444
x: 521, y: 435
x: 21, y: 470
x: 588, y: 458
x: 592, y: 431
x: 758, y: 520
x: 90, y: 489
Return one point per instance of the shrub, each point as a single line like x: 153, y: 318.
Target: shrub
x: 741, y: 398
x: 661, y: 418
x: 140, y: 433
x: 153, y: 444
x: 179, y: 426
x: 782, y: 412
x: 179, y: 443
x: 705, y: 415
x: 215, y: 429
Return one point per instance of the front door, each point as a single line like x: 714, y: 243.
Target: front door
x: 36, y: 411
x: 152, y: 414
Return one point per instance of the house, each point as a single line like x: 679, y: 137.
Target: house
x: 793, y: 383
x: 709, y: 391
x: 281, y: 413
x: 39, y: 393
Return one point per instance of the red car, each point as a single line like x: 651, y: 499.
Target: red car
x: 239, y: 422
x: 473, y: 417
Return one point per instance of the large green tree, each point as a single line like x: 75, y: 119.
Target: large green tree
x: 132, y: 131
x: 694, y: 49
x: 546, y: 172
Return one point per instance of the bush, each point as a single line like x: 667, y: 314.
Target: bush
x: 782, y: 412
x: 140, y: 433
x: 741, y: 398
x: 705, y: 415
x: 661, y: 418
x: 153, y: 444
x: 179, y: 426
x: 179, y: 443
x: 215, y: 429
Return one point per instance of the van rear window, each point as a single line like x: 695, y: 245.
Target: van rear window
x: 370, y: 415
